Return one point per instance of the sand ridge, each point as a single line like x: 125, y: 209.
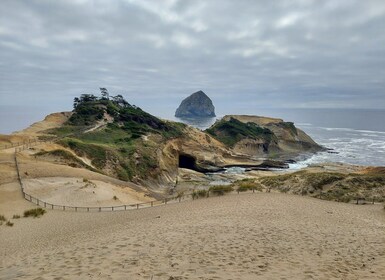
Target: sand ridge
x: 247, y: 236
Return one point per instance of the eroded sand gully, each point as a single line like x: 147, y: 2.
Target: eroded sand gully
x: 246, y: 236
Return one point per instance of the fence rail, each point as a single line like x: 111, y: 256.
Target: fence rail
x: 124, y: 207
x: 24, y: 145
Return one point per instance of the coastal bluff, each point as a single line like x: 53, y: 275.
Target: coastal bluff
x: 197, y: 105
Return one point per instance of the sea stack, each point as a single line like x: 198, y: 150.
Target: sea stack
x: 197, y: 105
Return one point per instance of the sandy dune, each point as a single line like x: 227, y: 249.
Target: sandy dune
x: 51, y: 121
x: 247, y: 236
x: 80, y: 192
x: 59, y: 184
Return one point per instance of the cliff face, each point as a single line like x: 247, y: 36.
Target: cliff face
x: 196, y: 105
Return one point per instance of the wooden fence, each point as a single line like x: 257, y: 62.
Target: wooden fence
x: 136, y: 206
x: 23, y: 145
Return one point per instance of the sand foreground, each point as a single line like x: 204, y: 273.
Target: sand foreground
x: 246, y: 236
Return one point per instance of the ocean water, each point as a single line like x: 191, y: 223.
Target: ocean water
x: 356, y: 136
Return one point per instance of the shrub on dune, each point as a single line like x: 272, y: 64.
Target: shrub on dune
x: 221, y: 190
x: 37, y: 212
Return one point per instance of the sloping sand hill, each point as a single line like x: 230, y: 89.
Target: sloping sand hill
x: 247, y: 236
x: 51, y: 121
x: 59, y: 184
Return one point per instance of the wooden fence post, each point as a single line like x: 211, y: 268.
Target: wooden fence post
x: 152, y: 203
x: 137, y: 206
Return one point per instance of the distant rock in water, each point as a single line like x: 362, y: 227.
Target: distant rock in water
x: 197, y: 105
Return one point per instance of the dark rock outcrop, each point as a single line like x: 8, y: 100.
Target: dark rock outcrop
x: 196, y: 105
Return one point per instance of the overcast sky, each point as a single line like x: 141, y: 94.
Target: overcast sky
x: 241, y: 53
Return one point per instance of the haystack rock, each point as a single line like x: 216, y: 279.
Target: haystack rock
x: 196, y: 105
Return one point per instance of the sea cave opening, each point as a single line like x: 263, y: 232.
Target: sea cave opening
x: 188, y: 162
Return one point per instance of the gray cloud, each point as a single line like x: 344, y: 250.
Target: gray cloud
x: 262, y: 53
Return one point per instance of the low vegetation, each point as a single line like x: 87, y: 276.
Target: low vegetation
x: 232, y: 131
x: 330, y: 185
x: 221, y: 189
x: 36, y: 212
x: 319, y: 180
x: 9, y: 223
x: 248, y: 185
x: 289, y: 126
x: 199, y: 193
x: 2, y: 219
x: 66, y: 157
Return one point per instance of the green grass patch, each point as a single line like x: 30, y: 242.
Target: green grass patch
x: 66, y: 130
x: 110, y: 135
x: 275, y: 181
x: 319, y: 180
x: 248, y: 185
x: 232, y: 131
x: 97, y: 153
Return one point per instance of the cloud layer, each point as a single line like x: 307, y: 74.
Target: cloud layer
x: 258, y: 53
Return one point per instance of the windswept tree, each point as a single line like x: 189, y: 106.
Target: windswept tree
x: 105, y: 94
x: 76, y: 102
x: 120, y: 101
x: 84, y: 98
